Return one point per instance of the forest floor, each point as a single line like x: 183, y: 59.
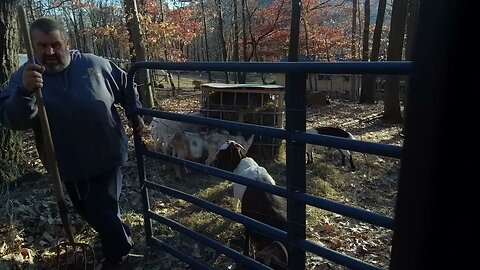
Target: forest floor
x: 30, y: 227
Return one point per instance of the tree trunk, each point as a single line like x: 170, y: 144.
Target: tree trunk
x: 353, y: 46
x: 412, y: 19
x: 12, y: 158
x: 135, y: 36
x: 86, y: 47
x: 391, y: 104
x: 207, y: 56
x: 369, y: 85
x: 244, y: 39
x: 221, y: 36
x: 235, y: 56
x: 367, y: 97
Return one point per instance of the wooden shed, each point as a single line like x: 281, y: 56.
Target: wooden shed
x: 247, y: 103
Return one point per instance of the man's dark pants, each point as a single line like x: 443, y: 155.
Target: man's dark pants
x: 96, y: 200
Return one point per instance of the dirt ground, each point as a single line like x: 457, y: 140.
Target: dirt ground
x: 30, y: 227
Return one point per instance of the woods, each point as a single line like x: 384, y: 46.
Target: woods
x: 215, y: 30
x: 242, y: 30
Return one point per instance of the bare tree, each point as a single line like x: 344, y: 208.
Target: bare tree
x: 412, y: 18
x: 235, y: 55
x: 366, y: 96
x: 244, y: 38
x: 368, y: 87
x: 221, y: 36
x: 353, y: 46
x: 138, y: 53
x: 12, y: 158
x: 205, y: 33
x: 391, y: 106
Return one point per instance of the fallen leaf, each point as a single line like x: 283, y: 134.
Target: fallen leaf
x: 327, y: 228
x: 24, y: 251
x: 3, y: 248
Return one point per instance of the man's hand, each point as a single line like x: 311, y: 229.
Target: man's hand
x: 32, y: 77
x: 141, y: 128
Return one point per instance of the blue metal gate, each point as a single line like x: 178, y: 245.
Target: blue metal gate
x: 295, y: 137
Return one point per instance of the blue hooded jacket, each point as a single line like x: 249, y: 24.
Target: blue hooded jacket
x: 88, y: 136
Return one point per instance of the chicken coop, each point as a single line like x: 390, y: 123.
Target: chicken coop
x: 247, y: 103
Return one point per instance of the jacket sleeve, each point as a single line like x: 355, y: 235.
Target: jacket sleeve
x: 17, y: 107
x: 122, y: 96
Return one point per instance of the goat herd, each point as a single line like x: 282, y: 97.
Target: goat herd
x: 229, y: 152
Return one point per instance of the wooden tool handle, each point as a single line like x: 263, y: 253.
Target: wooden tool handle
x: 51, y: 162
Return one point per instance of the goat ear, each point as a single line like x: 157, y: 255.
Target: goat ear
x: 236, y: 154
x: 239, y: 151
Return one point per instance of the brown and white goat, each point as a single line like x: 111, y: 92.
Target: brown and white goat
x: 245, y: 166
x: 214, y: 141
x: 187, y: 145
x: 260, y: 205
x: 163, y: 130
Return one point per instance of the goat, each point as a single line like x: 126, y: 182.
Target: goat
x: 264, y: 207
x: 331, y: 131
x: 257, y: 204
x: 187, y: 145
x: 163, y: 130
x: 274, y: 255
x: 196, y: 84
x: 214, y: 141
x: 233, y: 154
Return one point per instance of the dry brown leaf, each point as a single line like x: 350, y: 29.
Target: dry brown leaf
x: 25, y: 252
x: 327, y: 228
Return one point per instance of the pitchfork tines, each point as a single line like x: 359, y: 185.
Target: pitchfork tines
x: 75, y: 256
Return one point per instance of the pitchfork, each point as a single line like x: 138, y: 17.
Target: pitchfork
x: 51, y: 163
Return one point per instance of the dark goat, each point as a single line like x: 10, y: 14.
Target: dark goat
x: 330, y: 131
x: 267, y: 208
x: 274, y: 255
x: 262, y: 206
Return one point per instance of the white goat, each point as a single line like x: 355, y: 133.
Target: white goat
x: 249, y: 168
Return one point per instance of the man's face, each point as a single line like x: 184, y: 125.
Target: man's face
x: 51, y: 50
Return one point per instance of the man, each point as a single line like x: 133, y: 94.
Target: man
x: 79, y: 92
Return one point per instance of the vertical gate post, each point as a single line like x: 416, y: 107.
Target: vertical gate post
x: 139, y: 154
x: 424, y: 234
x: 295, y: 121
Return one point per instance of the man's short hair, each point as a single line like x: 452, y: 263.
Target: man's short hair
x: 47, y: 25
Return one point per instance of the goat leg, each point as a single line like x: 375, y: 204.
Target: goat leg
x: 343, y: 157
x: 178, y: 154
x: 351, y: 163
x: 309, y: 158
x: 246, y: 244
